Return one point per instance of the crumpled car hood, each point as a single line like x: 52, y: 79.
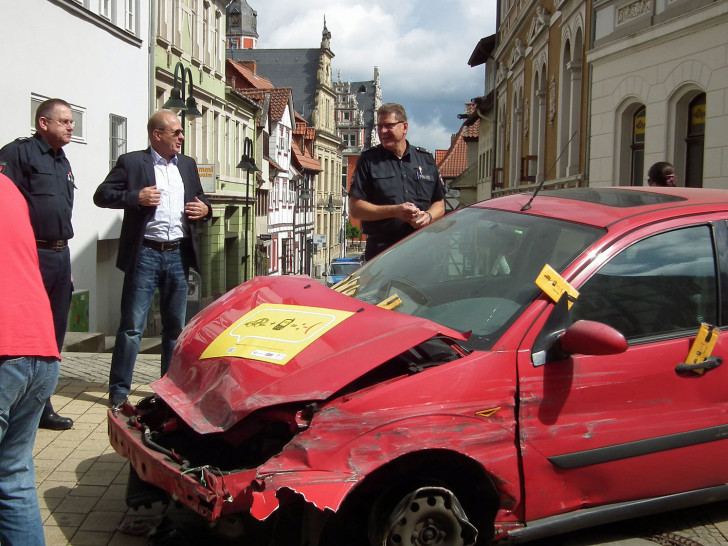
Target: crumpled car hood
x: 213, y: 393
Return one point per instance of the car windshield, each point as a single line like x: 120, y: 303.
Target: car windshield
x: 473, y: 270
x: 343, y: 268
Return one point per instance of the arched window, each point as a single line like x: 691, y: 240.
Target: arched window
x: 695, y: 142
x: 637, y: 147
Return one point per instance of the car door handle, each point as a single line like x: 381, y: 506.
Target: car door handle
x: 708, y: 364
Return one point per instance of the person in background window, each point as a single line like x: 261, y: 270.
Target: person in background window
x: 160, y: 191
x: 40, y: 169
x: 661, y: 174
x: 29, y: 360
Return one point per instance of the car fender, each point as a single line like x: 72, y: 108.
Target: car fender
x: 325, y: 472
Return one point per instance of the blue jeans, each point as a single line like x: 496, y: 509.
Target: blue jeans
x: 154, y: 269
x: 25, y: 384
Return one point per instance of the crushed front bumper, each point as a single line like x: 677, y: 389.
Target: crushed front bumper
x: 205, y: 491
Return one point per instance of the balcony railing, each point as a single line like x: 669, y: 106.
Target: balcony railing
x: 576, y: 181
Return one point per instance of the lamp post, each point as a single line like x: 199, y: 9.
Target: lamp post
x: 247, y: 162
x: 330, y: 209
x: 187, y: 107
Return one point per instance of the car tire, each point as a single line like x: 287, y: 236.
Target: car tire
x: 426, y: 515
x: 408, y: 513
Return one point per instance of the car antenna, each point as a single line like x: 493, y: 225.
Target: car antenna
x: 540, y: 185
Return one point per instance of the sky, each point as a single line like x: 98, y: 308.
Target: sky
x: 421, y: 47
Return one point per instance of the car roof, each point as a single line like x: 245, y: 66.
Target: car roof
x: 603, y: 207
x: 339, y: 260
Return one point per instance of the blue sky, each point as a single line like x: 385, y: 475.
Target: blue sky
x: 421, y: 47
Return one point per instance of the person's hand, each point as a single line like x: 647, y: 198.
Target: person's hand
x: 422, y: 219
x: 195, y: 210
x: 408, y: 212
x: 150, y: 196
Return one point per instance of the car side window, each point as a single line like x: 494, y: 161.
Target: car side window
x: 660, y: 285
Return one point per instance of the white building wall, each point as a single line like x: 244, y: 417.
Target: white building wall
x: 655, y: 67
x: 79, y: 58
x: 281, y: 216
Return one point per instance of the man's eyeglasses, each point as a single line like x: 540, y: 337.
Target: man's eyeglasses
x: 178, y: 132
x: 66, y: 122
x: 388, y: 126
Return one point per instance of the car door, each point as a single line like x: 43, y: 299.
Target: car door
x: 604, y: 429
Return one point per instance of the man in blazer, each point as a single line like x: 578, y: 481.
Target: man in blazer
x: 161, y: 194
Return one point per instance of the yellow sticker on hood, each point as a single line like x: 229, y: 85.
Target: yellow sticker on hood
x: 274, y: 332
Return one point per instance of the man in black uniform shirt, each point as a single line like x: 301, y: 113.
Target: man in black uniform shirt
x: 397, y: 188
x: 39, y: 168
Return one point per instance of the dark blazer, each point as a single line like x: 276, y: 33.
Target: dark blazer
x: 120, y: 190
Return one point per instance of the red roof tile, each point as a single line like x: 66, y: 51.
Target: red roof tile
x: 455, y: 160
x: 304, y: 161
x: 243, y: 77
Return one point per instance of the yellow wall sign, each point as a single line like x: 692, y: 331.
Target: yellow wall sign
x: 274, y: 333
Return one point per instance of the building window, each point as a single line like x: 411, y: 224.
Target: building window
x: 695, y: 142
x: 637, y: 163
x: 350, y: 140
x: 78, y: 114
x: 130, y: 16
x: 117, y: 138
x: 105, y: 8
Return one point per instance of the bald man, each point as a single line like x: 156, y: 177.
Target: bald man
x: 161, y: 194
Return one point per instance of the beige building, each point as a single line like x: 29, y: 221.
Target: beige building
x: 533, y: 127
x: 659, y: 81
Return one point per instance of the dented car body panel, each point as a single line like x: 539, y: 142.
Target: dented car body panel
x: 337, y: 397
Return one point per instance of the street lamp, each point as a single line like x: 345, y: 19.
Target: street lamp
x: 330, y: 209
x: 247, y: 162
x: 186, y: 107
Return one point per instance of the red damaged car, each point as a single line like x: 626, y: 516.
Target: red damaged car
x: 520, y: 368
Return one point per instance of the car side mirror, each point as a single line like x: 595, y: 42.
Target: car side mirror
x: 592, y: 338
x: 560, y: 338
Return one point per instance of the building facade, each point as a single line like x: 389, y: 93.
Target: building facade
x: 87, y: 64
x: 308, y: 73
x: 356, y: 111
x: 535, y: 70
x: 189, y: 56
x: 658, y: 88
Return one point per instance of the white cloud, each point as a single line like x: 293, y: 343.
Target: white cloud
x: 421, y: 47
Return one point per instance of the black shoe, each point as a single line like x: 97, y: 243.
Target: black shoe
x: 116, y: 399
x: 53, y: 421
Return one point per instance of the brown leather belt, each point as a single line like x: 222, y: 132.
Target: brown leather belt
x: 165, y: 246
x: 51, y: 245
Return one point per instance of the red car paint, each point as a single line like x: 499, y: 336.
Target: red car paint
x: 555, y: 439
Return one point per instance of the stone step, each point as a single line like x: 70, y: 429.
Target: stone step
x: 95, y: 342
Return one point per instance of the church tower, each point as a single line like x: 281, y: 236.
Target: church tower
x: 242, y: 26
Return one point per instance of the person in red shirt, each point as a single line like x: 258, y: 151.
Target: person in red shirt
x: 29, y: 364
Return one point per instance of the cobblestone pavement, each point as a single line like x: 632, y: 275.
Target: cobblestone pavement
x: 81, y: 481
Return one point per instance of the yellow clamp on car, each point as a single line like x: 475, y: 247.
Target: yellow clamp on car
x: 554, y: 285
x: 391, y: 302
x: 702, y: 347
x: 347, y: 286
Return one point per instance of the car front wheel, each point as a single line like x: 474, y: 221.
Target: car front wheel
x: 427, y: 516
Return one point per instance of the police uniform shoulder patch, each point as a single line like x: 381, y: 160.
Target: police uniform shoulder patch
x: 423, y: 150
x: 2, y: 166
x: 23, y: 139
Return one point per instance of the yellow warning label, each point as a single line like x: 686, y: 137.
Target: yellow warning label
x: 274, y: 333
x: 554, y: 285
